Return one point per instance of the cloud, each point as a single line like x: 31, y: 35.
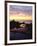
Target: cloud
x: 27, y: 9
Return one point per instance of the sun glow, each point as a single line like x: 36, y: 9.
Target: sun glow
x: 19, y: 18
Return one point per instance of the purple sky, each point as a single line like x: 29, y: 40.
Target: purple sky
x: 27, y: 9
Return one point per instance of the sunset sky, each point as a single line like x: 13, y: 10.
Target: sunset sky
x: 20, y: 13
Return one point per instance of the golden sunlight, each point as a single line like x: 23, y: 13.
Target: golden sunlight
x: 19, y: 18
